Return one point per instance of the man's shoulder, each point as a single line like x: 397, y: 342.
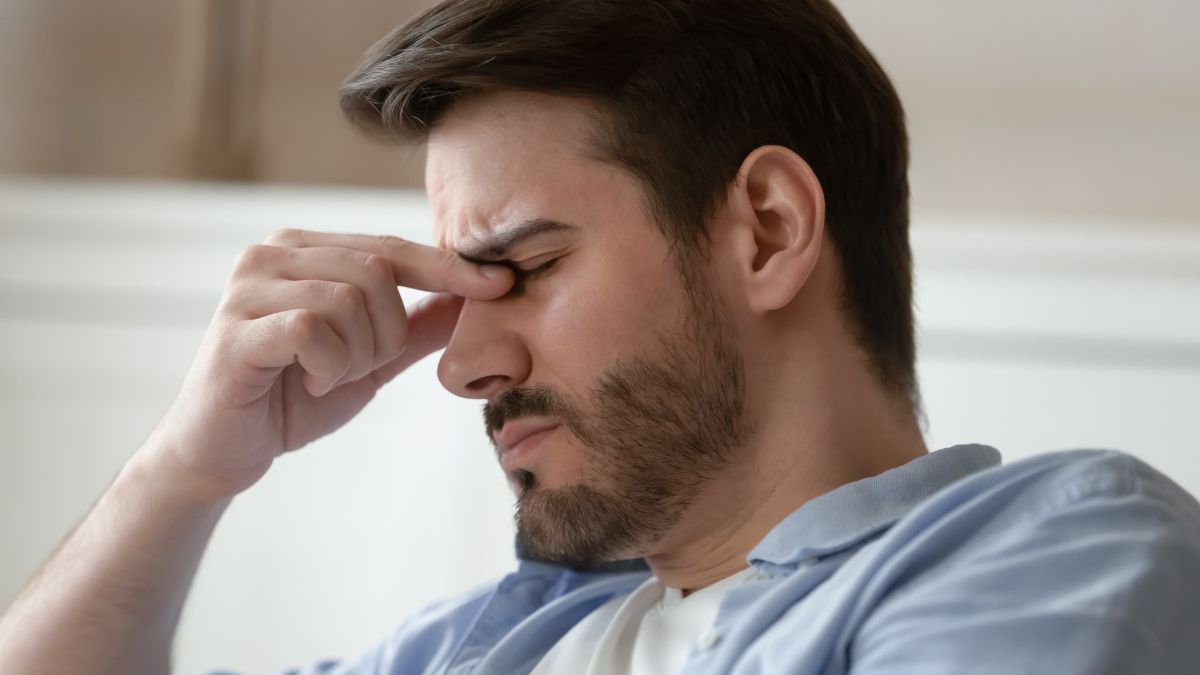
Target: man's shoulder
x: 1051, y: 481
x: 1081, y: 557
x: 1067, y: 495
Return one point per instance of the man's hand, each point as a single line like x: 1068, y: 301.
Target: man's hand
x: 311, y: 325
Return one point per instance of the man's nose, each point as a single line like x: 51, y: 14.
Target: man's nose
x: 483, y: 357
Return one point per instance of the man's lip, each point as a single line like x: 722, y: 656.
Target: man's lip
x: 523, y: 455
x: 513, y: 432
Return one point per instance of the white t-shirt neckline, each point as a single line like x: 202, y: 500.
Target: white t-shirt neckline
x: 651, y: 631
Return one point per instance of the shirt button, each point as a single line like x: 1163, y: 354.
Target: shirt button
x: 709, y: 640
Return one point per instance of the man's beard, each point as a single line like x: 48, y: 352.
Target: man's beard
x: 658, y: 428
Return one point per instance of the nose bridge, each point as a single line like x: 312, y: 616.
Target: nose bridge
x: 484, y: 355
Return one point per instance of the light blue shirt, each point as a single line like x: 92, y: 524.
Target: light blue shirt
x: 1073, y: 562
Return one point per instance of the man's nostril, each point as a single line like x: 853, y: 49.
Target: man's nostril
x: 485, y: 384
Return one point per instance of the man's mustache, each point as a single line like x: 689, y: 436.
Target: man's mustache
x: 523, y: 402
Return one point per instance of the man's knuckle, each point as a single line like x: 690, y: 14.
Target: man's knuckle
x: 348, y: 296
x: 392, y: 245
x: 254, y: 257
x: 263, y: 251
x: 302, y: 325
x: 379, y: 270
x: 288, y: 236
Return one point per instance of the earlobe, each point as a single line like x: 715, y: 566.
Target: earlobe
x: 784, y: 223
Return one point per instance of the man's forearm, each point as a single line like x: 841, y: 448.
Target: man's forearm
x: 108, y: 601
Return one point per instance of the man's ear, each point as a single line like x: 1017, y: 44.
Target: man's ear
x: 780, y: 220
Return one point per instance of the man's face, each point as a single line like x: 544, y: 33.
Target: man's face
x: 613, y: 381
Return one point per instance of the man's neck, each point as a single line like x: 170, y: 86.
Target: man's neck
x: 794, y: 457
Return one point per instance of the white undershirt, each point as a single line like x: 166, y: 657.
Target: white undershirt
x: 648, y: 632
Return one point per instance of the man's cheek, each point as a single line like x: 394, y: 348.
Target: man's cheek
x: 569, y: 319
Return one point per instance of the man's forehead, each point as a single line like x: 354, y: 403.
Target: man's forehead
x: 467, y: 219
x: 469, y: 233
x: 499, y: 160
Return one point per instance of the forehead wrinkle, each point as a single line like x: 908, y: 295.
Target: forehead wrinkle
x: 459, y: 228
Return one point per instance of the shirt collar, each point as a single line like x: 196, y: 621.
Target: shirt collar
x: 853, y: 512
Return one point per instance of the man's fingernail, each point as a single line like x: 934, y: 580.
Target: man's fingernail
x: 493, y: 271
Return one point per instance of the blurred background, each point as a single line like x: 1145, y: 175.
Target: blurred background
x: 144, y: 144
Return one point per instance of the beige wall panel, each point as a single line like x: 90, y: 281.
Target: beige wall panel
x: 310, y: 47
x: 111, y: 89
x: 88, y: 87
x: 1089, y: 113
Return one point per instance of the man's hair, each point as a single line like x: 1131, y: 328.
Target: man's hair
x: 683, y: 91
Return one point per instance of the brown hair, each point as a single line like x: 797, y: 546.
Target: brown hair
x: 685, y: 90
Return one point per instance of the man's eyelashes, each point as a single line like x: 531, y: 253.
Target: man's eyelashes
x: 534, y: 272
x: 522, y: 275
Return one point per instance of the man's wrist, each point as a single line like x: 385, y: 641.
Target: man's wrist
x: 156, y: 473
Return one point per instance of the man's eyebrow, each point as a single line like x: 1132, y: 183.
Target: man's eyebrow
x: 498, y: 244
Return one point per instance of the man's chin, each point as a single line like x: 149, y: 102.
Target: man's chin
x: 553, y: 552
x: 575, y: 525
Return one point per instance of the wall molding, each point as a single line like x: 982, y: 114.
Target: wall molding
x: 158, y: 254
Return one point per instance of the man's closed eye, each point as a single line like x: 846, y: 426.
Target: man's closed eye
x: 523, y: 275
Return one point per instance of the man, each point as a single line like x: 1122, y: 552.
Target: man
x: 673, y: 263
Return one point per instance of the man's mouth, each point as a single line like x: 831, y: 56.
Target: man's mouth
x: 516, y: 439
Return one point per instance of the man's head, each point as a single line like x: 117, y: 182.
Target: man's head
x: 622, y: 143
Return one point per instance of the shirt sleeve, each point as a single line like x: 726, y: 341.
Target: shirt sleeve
x: 1094, y: 572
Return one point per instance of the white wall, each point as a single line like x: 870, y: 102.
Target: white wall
x: 1035, y: 336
